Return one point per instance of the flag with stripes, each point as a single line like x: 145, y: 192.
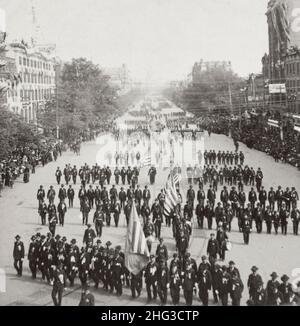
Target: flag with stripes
x: 177, y: 178
x: 171, y: 197
x: 146, y: 161
x: 136, y: 249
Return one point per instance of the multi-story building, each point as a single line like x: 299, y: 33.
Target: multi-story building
x: 118, y: 77
x: 32, y: 83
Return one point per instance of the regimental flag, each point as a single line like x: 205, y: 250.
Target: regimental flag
x: 136, y: 249
x: 171, y: 197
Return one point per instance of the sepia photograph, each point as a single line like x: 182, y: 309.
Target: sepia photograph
x: 149, y: 155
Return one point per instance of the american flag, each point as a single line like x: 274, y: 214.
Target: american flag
x: 146, y: 161
x: 171, y: 197
x: 136, y: 249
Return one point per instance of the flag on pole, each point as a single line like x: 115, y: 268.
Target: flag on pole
x: 136, y: 249
x: 177, y: 178
x: 171, y: 197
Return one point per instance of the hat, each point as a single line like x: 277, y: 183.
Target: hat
x: 284, y: 278
x: 38, y: 234
x: 73, y: 241
x: 57, y: 237
x: 161, y: 239
x: 43, y: 237
x: 118, y: 248
x: 89, y: 225
x: 274, y: 274
x: 108, y: 243
x: 99, y: 241
x: 17, y: 237
x: 175, y: 255
x: 231, y: 262
x: 254, y: 269
x: 33, y: 237
x: 224, y: 268
x: 49, y: 234
x: 64, y: 239
x: 203, y: 257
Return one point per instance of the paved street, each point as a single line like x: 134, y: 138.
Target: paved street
x: 18, y: 209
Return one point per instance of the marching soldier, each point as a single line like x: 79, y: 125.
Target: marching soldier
x: 201, y: 196
x: 148, y: 232
x: 51, y: 195
x: 52, y: 218
x: 254, y: 281
x: 43, y: 210
x: 62, y: 209
x: 152, y: 173
x: 62, y: 193
x: 116, y: 212
x: 146, y: 195
x: 295, y: 217
x: 284, y: 216
x: 294, y: 197
x: 117, y: 174
x: 236, y: 289
x: 246, y: 229
x: 40, y: 195
x: 89, y: 235
x: 212, y: 248
x: 286, y: 291
x: 70, y: 195
x: 118, y: 271
x: 151, y: 279
x: 175, y: 284
x: 98, y: 221
x: 259, y: 296
x: 268, y: 217
x: 74, y: 173
x: 276, y: 221
x: 18, y: 255
x: 85, y: 209
x: 58, y: 285
x: 162, y: 251
x: 188, y: 284
x: 162, y: 281
x: 58, y: 175
x: 200, y: 212
x: 127, y: 210
x: 90, y: 196
x: 157, y: 218
x: 123, y: 174
x: 208, y: 213
x: 271, y: 198
x: 223, y: 287
x: 136, y: 284
x: 274, y: 297
x: 33, y: 256
x: 122, y: 197
x: 204, y: 283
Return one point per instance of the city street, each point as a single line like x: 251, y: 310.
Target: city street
x: 18, y: 207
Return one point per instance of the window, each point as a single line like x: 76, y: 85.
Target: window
x: 20, y: 60
x: 24, y: 61
x: 36, y: 96
x: 21, y: 93
x: 27, y: 62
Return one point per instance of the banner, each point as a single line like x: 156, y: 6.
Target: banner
x: 277, y: 89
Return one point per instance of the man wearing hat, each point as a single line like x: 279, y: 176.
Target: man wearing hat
x: 236, y: 288
x: 58, y: 284
x: 51, y: 195
x: 212, y: 248
x: 151, y: 279
x: 33, y: 256
x: 40, y: 195
x: 157, y: 218
x: 188, y: 284
x: 162, y: 251
x: 18, y: 255
x: 71, y: 195
x: 162, y: 281
x: 43, y: 210
x: 223, y: 286
x: 118, y: 269
x: 87, y: 298
x: 98, y: 219
x: 52, y: 218
x: 61, y: 209
x: 204, y: 283
x: 274, y: 297
x: 286, y: 290
x: 62, y: 193
x: 89, y: 235
x: 254, y: 280
x: 58, y: 175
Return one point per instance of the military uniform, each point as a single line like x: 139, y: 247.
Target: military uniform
x: 151, y: 280
x: 18, y: 255
x: 58, y: 286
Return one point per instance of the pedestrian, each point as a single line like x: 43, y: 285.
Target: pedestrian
x: 59, y: 284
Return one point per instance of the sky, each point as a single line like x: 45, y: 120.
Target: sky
x: 159, y: 40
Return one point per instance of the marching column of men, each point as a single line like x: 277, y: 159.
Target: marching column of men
x: 60, y: 263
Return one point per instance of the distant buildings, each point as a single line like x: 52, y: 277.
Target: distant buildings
x: 118, y: 78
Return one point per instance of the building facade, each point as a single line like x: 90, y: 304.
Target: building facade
x: 32, y: 83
